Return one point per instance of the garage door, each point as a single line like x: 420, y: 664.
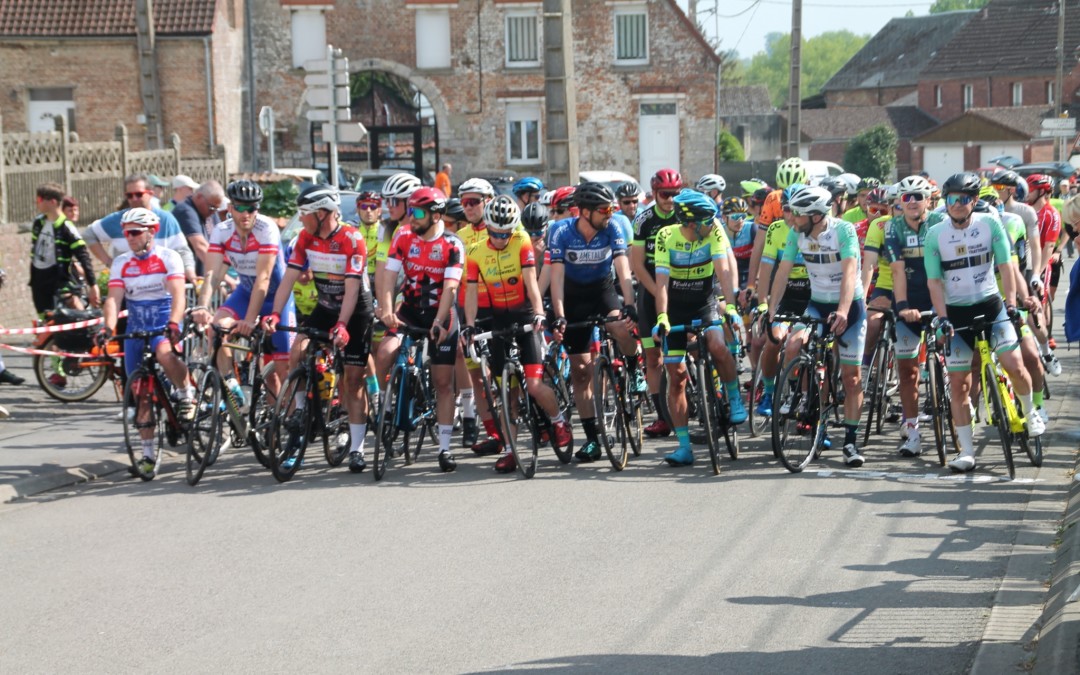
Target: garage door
x: 991, y: 150
x: 942, y: 160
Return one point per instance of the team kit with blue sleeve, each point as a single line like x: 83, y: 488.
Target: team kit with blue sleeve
x: 143, y: 279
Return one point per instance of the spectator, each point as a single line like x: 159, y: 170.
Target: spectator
x: 157, y: 186
x: 192, y: 213
x: 442, y: 179
x: 182, y: 187
x: 70, y: 207
x: 6, y: 376
x: 54, y: 243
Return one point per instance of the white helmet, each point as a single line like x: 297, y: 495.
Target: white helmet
x: 477, y: 185
x: 545, y: 197
x: 502, y: 214
x: 811, y: 200
x: 142, y: 217
x: 852, y: 182
x: 709, y: 182
x: 319, y: 197
x: 892, y: 192
x: 400, y: 186
x: 915, y: 185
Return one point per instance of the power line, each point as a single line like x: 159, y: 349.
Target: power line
x: 860, y: 5
x: 746, y: 27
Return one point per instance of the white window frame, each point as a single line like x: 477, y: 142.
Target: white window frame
x: 521, y: 112
x: 1017, y: 94
x: 516, y: 16
x: 429, y: 54
x: 630, y: 9
x: 967, y: 93
x: 49, y: 101
x: 937, y: 96
x: 308, y: 32
x: 1050, y: 87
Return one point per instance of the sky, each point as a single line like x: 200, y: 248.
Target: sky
x: 744, y: 23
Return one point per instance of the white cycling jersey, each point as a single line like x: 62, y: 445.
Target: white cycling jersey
x: 964, y: 259
x: 823, y: 257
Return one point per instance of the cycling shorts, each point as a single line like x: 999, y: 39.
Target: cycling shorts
x: 530, y: 348
x: 675, y: 343
x: 1055, y: 273
x: 796, y: 297
x: 646, y: 315
x: 962, y: 346
x: 853, y: 340
x: 360, y: 326
x: 439, y: 353
x: 236, y: 306
x: 582, y: 301
x: 881, y: 293
x: 144, y: 316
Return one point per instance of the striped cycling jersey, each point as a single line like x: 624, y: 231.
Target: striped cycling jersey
x: 824, y: 256
x: 964, y: 259
x: 689, y: 265
x: 243, y: 252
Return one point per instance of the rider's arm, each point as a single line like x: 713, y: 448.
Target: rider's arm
x: 348, y: 303
x: 869, y: 264
x: 779, y: 284
x: 532, y: 291
x: 899, y: 282
x: 661, y: 297
x: 215, y: 269
x: 932, y: 261
x: 558, y: 273
x: 284, y: 289
x: 175, y: 287
x: 112, y: 305
x: 447, y: 301
x: 544, y: 282
x: 622, y: 271
x: 847, y: 284
x: 637, y: 264
x: 756, y: 279
x: 472, y: 291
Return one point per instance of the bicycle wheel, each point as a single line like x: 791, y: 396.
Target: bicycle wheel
x: 609, y: 419
x: 336, y: 438
x: 935, y: 389
x: 795, y: 417
x: 633, y: 405
x: 519, y: 420
x: 709, y: 412
x: 890, y: 382
x: 554, y: 379
x: 422, y: 415
x: 139, y: 399
x: 292, y: 427
x: 261, y: 417
x: 1031, y: 446
x: 387, y: 432
x: 67, y: 379
x: 204, y: 435
x: 875, y: 389
x: 1001, y: 422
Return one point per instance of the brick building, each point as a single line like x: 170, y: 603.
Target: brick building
x: 645, y: 78
x: 79, y: 58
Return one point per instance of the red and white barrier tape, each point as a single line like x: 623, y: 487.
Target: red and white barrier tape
x: 45, y: 352
x: 56, y: 328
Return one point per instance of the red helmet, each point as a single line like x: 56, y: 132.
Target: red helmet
x: 563, y: 197
x: 666, y: 179
x: 428, y: 198
x: 1040, y: 182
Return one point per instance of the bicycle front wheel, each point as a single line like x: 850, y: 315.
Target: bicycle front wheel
x: 795, y: 417
x: 519, y: 425
x: 292, y: 427
x: 261, y: 417
x: 335, y: 434
x: 67, y: 379
x: 204, y: 435
x: 1001, y: 421
x: 876, y: 383
x: 710, y: 414
x: 554, y: 379
x: 387, y: 434
x: 609, y: 419
x: 140, y: 412
x: 939, y: 405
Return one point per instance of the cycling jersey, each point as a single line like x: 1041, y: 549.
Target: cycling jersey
x: 824, y: 255
x: 371, y: 240
x: 501, y: 272
x: 646, y: 225
x: 585, y: 262
x: 388, y: 229
x: 861, y: 228
x: 854, y: 214
x: 1049, y: 224
x: 427, y: 264
x: 688, y: 264
x: 771, y: 211
x: 469, y: 236
x: 1014, y: 227
x: 963, y: 259
x: 143, y: 280
x: 742, y: 242
x: 908, y: 245
x: 264, y: 238
x: 775, y: 241
x: 875, y: 243
x: 109, y: 230
x: 341, y: 255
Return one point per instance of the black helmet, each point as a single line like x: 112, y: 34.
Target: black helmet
x: 628, y: 190
x: 320, y: 197
x: 535, y: 218
x: 965, y: 183
x: 868, y: 183
x: 244, y: 192
x: 835, y: 186
x: 590, y: 195
x: 454, y: 209
x: 734, y: 205
x: 1005, y: 177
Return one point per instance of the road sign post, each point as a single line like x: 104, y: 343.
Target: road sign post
x: 328, y: 99
x: 266, y: 126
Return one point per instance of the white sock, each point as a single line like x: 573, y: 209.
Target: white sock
x: 468, y: 404
x: 558, y: 418
x: 445, y: 432
x: 912, y: 428
x: 1026, y: 400
x: 358, y: 432
x: 148, y: 447
x: 1044, y: 348
x: 965, y: 435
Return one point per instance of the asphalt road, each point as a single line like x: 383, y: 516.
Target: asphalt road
x: 898, y: 567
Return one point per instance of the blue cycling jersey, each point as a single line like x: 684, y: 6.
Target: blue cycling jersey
x: 586, y: 262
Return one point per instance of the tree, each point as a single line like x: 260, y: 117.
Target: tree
x: 728, y: 148
x: 872, y: 153
x: 953, y: 5
x: 822, y: 56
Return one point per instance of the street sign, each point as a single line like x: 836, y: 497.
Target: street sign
x: 323, y: 115
x: 1059, y: 123
x: 266, y: 120
x: 320, y: 98
x: 345, y: 133
x: 323, y: 65
x: 1057, y: 133
x: 337, y: 79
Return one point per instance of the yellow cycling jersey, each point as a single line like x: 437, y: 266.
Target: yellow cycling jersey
x: 499, y: 274
x: 875, y: 243
x: 689, y: 264
x: 775, y: 242
x: 371, y: 238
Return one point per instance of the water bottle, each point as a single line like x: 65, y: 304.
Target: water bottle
x: 233, y: 385
x: 326, y: 381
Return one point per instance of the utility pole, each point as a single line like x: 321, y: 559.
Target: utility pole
x: 1059, y: 101
x: 794, y: 95
x: 560, y: 130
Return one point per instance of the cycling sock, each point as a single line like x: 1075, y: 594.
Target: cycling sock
x: 468, y: 403
x: 358, y: 432
x: 732, y: 389
x: 912, y: 427
x: 1037, y: 397
x: 445, y: 432
x: 965, y: 436
x: 1044, y: 348
x: 489, y: 427
x: 683, y: 434
x: 1026, y: 399
x: 148, y: 448
x: 589, y: 425
x: 656, y: 405
x: 851, y: 432
x: 769, y: 383
x: 559, y: 417
x: 372, y: 387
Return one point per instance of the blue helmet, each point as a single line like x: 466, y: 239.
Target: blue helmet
x: 790, y: 191
x: 528, y: 184
x: 692, y: 206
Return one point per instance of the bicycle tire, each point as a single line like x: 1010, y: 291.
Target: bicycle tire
x: 204, y: 434
x: 709, y: 417
x: 424, y: 425
x: 875, y: 388
x: 336, y: 437
x: 635, y: 423
x: 261, y: 417
x: 387, y: 432
x: 141, y: 380
x: 935, y: 386
x: 519, y: 420
x: 892, y: 376
x: 553, y: 378
x: 287, y: 452
x: 1031, y: 446
x: 1000, y: 420
x: 787, y: 429
x: 80, y: 383
x: 609, y: 417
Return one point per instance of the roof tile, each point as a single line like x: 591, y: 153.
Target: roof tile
x: 97, y: 18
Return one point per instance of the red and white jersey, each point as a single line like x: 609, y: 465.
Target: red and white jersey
x: 1049, y: 224
x: 143, y: 279
x: 427, y: 264
x: 243, y: 253
x: 342, y: 254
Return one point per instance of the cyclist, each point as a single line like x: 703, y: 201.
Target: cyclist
x: 905, y: 241
x: 830, y: 250
x: 583, y: 251
x: 504, y: 260
x: 454, y: 216
x: 790, y: 172
x: 629, y: 196
x: 858, y: 211
x: 562, y: 203
x: 967, y: 246
x: 251, y: 243
x: 1040, y: 188
x: 535, y: 219
x: 432, y: 261
x: 838, y: 189
x: 713, y: 186
x: 877, y: 206
x: 151, y: 280
x: 1012, y: 193
x: 369, y: 210
x: 335, y: 254
x: 877, y: 281
x: 665, y: 184
x: 527, y: 190
x: 740, y: 232
x: 689, y: 256
x: 395, y: 192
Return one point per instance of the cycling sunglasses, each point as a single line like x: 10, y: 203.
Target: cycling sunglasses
x: 963, y: 200
x: 499, y: 235
x: 912, y: 197
x: 245, y: 208
x: 418, y: 213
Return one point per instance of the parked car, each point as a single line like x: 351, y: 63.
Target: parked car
x: 1056, y: 170
x: 1006, y: 161
x: 303, y: 177
x: 612, y: 179
x: 817, y: 169
x: 348, y: 215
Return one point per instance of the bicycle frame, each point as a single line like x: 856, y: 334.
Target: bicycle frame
x: 981, y: 327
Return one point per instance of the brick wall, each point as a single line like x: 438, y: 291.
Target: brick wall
x: 16, y: 305
x: 865, y: 97
x: 991, y: 92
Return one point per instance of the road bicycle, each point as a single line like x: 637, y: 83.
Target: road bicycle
x: 557, y: 376
x: 937, y: 397
x: 70, y: 379
x: 882, y: 381
x: 408, y: 411
x: 309, y: 405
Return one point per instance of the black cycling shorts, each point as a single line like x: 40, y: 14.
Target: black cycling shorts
x: 679, y: 315
x: 360, y: 328
x: 439, y: 354
x: 796, y: 297
x: 530, y: 350
x: 581, y: 301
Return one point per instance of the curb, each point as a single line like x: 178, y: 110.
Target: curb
x: 1059, y: 640
x: 58, y: 478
